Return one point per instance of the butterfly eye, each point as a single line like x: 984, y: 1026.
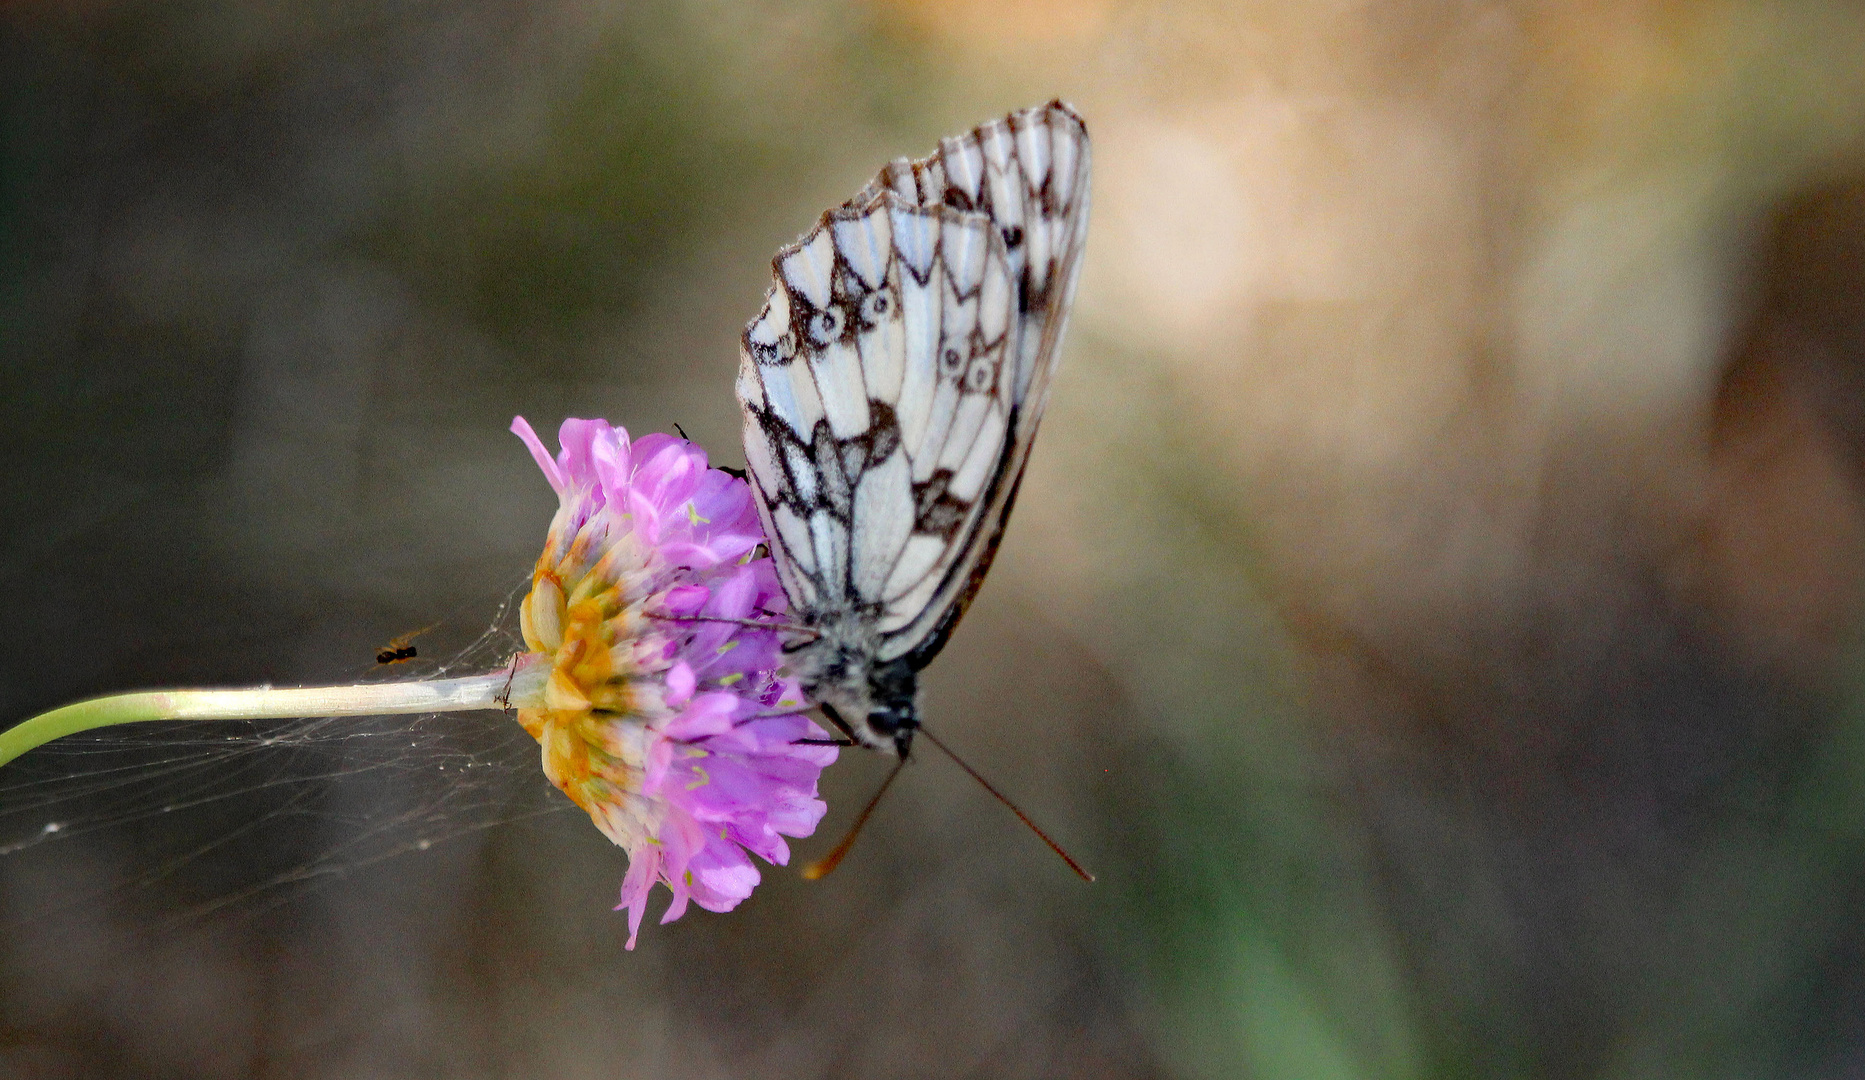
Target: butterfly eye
x: 826, y: 326
x: 874, y: 307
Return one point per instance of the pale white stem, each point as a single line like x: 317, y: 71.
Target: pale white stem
x: 520, y: 686
x: 487, y: 691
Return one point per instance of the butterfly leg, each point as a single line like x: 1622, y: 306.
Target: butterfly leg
x: 753, y: 624
x: 841, y: 725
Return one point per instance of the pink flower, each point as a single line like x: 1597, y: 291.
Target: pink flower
x: 675, y: 733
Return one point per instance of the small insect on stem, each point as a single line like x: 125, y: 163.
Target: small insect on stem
x: 399, y: 649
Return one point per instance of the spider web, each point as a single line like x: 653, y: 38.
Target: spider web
x: 244, y: 815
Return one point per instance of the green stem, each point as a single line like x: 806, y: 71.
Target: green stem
x: 518, y: 687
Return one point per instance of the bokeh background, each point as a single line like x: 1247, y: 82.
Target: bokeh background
x: 1432, y: 606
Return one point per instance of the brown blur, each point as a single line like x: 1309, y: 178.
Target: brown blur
x: 1432, y: 609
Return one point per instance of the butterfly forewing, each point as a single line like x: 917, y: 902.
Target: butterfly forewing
x: 893, y: 383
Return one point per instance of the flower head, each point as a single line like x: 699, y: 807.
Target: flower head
x: 671, y: 730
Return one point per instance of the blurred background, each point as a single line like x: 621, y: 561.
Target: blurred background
x: 1432, y: 607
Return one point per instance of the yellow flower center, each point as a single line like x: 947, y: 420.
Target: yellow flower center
x: 598, y: 697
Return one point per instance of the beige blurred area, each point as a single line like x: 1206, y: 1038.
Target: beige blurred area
x: 1432, y: 607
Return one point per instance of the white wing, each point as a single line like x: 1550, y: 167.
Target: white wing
x: 894, y: 380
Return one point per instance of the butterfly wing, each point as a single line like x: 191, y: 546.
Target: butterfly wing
x: 894, y: 381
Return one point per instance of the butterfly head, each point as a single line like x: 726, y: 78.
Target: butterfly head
x: 893, y: 703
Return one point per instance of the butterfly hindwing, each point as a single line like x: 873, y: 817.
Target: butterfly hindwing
x: 871, y: 397
x: 894, y: 380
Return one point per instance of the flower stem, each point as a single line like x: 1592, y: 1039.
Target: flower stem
x: 506, y: 688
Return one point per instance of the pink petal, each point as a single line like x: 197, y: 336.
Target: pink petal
x: 544, y: 461
x: 643, y: 869
x: 706, y: 715
x: 680, y: 684
x: 722, y: 876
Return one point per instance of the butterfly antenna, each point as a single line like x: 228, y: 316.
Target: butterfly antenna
x: 1002, y: 798
x: 821, y: 867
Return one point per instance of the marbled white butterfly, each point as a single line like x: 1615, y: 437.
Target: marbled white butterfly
x: 891, y: 389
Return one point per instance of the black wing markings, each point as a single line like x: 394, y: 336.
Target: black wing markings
x: 1054, y: 212
x: 1040, y: 223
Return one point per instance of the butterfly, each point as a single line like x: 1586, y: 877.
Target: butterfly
x: 891, y: 388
